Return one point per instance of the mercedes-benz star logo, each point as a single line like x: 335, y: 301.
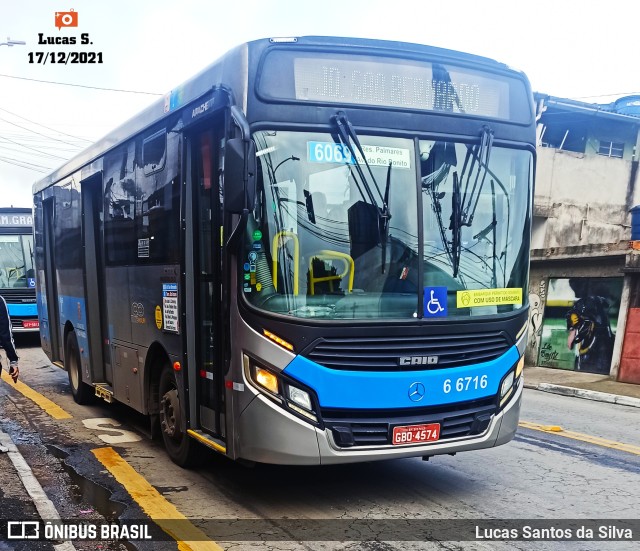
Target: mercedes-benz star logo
x: 416, y: 392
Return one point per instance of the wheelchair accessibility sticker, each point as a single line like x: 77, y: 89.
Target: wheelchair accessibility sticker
x: 435, y: 302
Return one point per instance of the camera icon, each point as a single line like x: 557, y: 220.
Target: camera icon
x: 66, y: 19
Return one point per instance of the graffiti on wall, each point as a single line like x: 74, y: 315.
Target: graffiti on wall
x: 548, y: 354
x: 578, y: 328
x: 536, y: 308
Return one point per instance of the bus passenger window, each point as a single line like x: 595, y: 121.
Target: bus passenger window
x: 154, y: 152
x: 120, y: 206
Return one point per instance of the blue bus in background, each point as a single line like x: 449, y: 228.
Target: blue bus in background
x: 17, y: 275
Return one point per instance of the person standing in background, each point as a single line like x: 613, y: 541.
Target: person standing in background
x: 6, y: 341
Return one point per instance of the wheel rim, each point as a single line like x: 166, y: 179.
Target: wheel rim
x: 170, y: 414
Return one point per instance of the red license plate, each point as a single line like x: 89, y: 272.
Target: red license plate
x: 31, y: 324
x: 415, y: 434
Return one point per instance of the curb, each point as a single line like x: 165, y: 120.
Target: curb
x: 45, y: 507
x: 587, y: 394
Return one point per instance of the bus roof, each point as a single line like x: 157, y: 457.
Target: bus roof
x: 212, y: 76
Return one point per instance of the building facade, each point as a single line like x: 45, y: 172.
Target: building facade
x: 585, y: 267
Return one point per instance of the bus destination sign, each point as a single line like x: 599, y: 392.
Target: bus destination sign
x: 396, y: 83
x: 16, y: 220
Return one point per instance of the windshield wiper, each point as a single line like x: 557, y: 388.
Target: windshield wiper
x: 385, y: 216
x: 349, y: 137
x: 475, y: 170
x: 480, y: 155
x: 455, y: 226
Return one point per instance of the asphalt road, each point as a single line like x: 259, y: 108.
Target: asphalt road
x: 539, y: 477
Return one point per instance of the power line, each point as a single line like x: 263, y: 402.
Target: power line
x: 34, y: 149
x: 38, y: 133
x: 22, y: 164
x: 6, y: 147
x: 40, y: 142
x: 43, y: 126
x: 10, y: 133
x: 82, y: 86
x: 621, y: 94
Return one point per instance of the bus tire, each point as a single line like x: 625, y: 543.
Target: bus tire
x: 181, y: 448
x: 82, y: 393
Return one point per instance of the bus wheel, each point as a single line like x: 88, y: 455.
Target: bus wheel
x: 181, y: 448
x: 81, y: 392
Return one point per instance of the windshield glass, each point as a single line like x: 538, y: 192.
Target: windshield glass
x: 333, y: 238
x: 476, y: 209
x: 16, y: 261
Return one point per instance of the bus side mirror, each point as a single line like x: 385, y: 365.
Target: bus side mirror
x: 239, y: 175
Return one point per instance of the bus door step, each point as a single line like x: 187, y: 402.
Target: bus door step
x: 105, y: 392
x: 208, y: 440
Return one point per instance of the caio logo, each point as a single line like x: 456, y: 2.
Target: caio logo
x: 66, y: 19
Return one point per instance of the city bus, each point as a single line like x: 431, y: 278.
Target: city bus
x: 315, y: 251
x: 17, y: 275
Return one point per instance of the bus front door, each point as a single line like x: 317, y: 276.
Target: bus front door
x: 203, y: 267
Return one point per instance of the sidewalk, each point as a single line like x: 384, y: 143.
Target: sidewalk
x: 582, y: 385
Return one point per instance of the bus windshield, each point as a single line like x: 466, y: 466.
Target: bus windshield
x: 338, y: 230
x: 16, y: 261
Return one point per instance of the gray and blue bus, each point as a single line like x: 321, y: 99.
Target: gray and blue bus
x: 17, y: 275
x: 316, y: 251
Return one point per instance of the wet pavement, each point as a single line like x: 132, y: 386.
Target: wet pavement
x: 19, y: 500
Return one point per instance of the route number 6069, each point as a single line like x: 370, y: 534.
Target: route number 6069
x: 463, y: 384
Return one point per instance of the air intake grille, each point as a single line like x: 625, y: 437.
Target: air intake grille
x: 384, y: 353
x: 374, y: 428
x: 19, y: 296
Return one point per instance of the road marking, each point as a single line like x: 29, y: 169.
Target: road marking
x: 163, y: 513
x: 114, y: 435
x: 45, y: 507
x: 53, y: 409
x: 559, y: 431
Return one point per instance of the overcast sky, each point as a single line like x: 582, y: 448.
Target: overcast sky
x: 568, y: 48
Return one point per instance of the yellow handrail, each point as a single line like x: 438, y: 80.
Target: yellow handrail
x: 276, y: 244
x: 332, y: 255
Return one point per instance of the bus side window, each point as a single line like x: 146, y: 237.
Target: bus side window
x: 120, y: 206
x: 157, y: 228
x: 154, y: 152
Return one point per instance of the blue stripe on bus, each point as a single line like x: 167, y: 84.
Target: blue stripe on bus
x: 382, y: 390
x: 72, y: 309
x: 23, y: 310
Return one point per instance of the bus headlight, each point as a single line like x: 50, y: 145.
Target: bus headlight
x: 300, y: 397
x: 281, y: 389
x: 511, y: 381
x: 520, y: 367
x: 506, y: 388
x: 507, y: 383
x: 265, y: 379
x: 300, y: 401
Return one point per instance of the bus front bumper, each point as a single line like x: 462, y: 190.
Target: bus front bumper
x: 269, y: 434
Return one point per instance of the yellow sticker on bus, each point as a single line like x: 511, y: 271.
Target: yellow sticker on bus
x: 489, y: 297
